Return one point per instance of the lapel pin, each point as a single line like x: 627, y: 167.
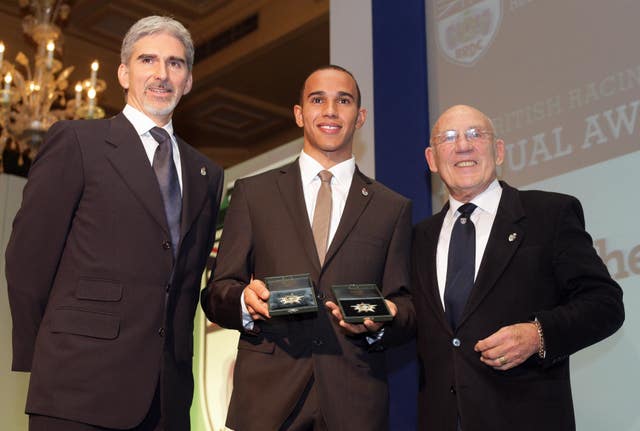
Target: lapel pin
x: 512, y: 237
x: 203, y: 171
x: 365, y: 192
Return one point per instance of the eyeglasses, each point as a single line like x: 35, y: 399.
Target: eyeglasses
x: 472, y: 135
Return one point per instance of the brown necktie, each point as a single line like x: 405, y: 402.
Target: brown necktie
x: 322, y: 215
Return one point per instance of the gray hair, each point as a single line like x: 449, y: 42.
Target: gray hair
x: 153, y: 25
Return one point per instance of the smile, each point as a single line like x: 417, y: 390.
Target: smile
x: 159, y: 90
x: 329, y: 128
x: 466, y: 164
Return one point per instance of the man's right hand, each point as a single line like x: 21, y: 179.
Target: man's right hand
x: 256, y: 295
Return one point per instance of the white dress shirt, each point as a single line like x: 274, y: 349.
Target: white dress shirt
x: 482, y: 218
x: 143, y: 124
x: 340, y: 184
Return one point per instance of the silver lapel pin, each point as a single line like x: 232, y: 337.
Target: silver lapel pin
x: 203, y: 171
x: 512, y: 237
x: 365, y: 192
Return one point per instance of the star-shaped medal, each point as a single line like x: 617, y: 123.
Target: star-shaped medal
x: 364, y: 308
x: 291, y: 299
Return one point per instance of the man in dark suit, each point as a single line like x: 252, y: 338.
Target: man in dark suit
x: 313, y: 371
x: 107, y: 252
x: 494, y: 352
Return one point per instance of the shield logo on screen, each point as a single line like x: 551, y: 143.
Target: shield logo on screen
x: 466, y: 29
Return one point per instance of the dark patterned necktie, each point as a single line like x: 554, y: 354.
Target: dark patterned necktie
x: 167, y: 176
x: 461, y: 265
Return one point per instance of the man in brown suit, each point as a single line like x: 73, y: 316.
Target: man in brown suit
x: 107, y: 251
x: 313, y: 371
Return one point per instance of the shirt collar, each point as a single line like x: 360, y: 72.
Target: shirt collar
x: 142, y: 123
x: 487, y: 201
x: 342, y: 172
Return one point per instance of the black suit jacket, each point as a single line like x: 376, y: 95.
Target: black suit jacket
x: 539, y: 262
x: 267, y: 233
x: 98, y: 317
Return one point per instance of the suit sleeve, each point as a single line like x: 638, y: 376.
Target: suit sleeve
x: 39, y: 234
x: 590, y: 307
x: 221, y: 299
x: 395, y: 285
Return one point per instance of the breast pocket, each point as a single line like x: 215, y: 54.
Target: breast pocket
x: 361, y: 256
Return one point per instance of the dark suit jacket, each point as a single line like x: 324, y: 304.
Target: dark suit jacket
x: 96, y: 317
x: 267, y: 233
x: 539, y: 262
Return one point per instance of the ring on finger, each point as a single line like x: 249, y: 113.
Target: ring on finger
x: 502, y: 360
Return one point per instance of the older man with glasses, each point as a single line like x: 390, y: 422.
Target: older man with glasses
x: 506, y: 285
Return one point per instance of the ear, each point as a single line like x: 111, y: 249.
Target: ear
x: 431, y: 159
x: 188, y: 84
x: 297, y: 113
x: 123, y: 76
x: 499, y: 148
x: 362, y: 116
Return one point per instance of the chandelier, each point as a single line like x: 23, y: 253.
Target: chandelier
x: 36, y: 95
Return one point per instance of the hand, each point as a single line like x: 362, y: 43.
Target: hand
x: 355, y: 329
x: 509, y: 346
x: 256, y: 295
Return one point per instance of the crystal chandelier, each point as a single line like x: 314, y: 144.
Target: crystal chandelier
x: 34, y: 96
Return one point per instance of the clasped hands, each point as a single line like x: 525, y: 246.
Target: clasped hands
x: 256, y: 296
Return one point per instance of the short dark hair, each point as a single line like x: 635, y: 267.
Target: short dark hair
x: 332, y: 67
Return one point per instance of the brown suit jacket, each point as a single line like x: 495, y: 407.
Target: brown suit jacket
x: 98, y: 317
x: 539, y: 263
x: 267, y: 233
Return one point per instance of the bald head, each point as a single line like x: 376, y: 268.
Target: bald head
x: 462, y: 112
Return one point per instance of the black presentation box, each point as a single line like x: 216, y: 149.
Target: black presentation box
x: 291, y: 294
x: 361, y: 301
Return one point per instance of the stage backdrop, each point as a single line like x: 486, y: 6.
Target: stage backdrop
x: 561, y: 81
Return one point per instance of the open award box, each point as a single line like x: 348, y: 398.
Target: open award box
x: 291, y: 294
x: 361, y: 301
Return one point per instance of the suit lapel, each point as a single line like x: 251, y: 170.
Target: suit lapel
x: 290, y: 186
x: 360, y: 194
x: 129, y: 159
x: 195, y: 178
x: 505, y: 238
x: 428, y: 272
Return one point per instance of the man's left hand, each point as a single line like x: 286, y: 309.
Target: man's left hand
x: 355, y: 329
x: 509, y: 346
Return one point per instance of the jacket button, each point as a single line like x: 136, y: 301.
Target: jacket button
x: 317, y: 342
x: 456, y: 342
x: 452, y: 389
x: 161, y: 332
x: 320, y: 296
x: 166, y: 245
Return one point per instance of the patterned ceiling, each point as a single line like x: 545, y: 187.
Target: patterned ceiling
x: 251, y: 58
